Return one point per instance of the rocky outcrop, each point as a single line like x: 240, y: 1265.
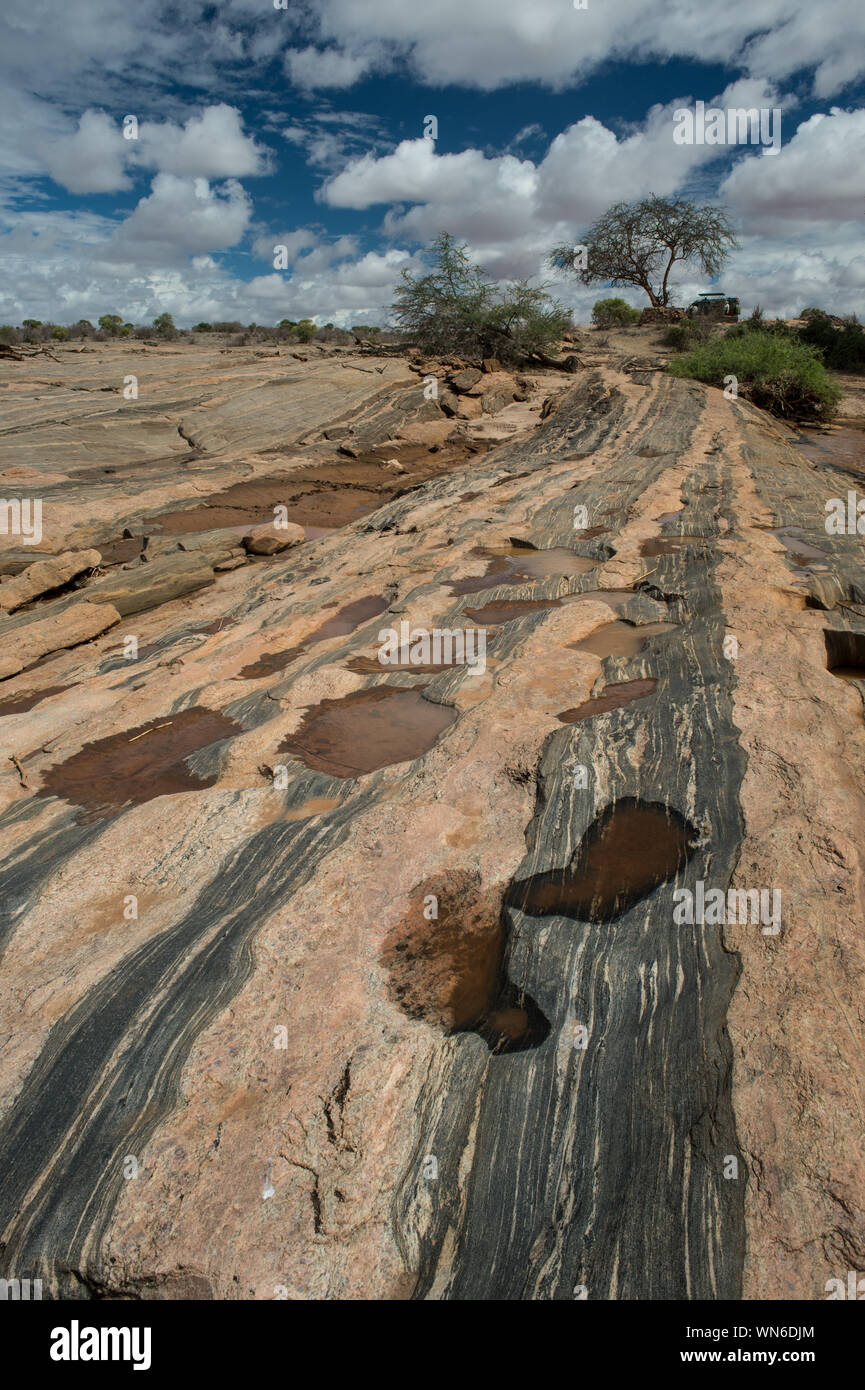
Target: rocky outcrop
x: 328, y: 976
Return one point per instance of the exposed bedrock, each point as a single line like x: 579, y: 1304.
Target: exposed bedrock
x: 331, y: 977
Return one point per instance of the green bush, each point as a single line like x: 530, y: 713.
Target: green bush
x: 843, y: 348
x: 163, y: 324
x: 59, y: 333
x: 757, y: 324
x: 457, y: 309
x: 782, y: 375
x: 614, y: 313
x: 687, y: 334
x: 203, y: 328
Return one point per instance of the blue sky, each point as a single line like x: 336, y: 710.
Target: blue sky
x: 303, y: 127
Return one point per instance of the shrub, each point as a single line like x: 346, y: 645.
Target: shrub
x: 111, y: 323
x: 203, y: 328
x: 613, y: 313
x: 304, y: 330
x: 781, y: 375
x: 457, y: 309
x: 687, y: 334
x: 8, y: 334
x: 59, y: 333
x: 842, y: 346
x: 163, y: 325
x: 757, y: 324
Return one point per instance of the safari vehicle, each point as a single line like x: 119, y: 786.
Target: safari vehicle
x: 715, y: 305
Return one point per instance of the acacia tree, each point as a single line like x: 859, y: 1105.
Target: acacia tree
x: 639, y: 243
x: 457, y: 308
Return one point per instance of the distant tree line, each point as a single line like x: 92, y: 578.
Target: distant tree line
x: 113, y: 326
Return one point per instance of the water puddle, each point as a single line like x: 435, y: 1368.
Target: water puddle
x: 368, y: 730
x: 620, y: 638
x: 517, y: 564
x: 613, y: 697
x: 802, y: 552
x: 670, y: 545
x: 371, y: 666
x: 631, y: 848
x: 449, y: 971
x: 614, y: 598
x: 340, y: 625
x: 844, y: 446
x: 138, y: 764
x: 26, y: 699
x: 507, y: 609
x: 845, y: 654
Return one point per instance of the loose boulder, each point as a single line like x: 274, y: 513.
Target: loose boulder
x: 80, y: 622
x: 270, y: 539
x: 45, y: 576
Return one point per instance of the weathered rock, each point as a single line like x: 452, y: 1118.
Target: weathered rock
x: 449, y: 402
x: 270, y: 539
x: 469, y: 408
x: 491, y: 364
x: 494, y: 401
x: 45, y: 576
x: 384, y: 928
x: 659, y: 313
x: 144, y: 586
x: 464, y: 381
x: 79, y: 622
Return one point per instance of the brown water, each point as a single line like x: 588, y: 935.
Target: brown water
x: 371, y: 666
x: 138, y: 764
x: 670, y: 545
x: 520, y: 565
x: 802, y: 552
x: 631, y: 848
x: 505, y: 610
x: 613, y: 697
x: 445, y: 970
x: 367, y: 730
x: 613, y: 598
x: 26, y: 699
x: 620, y: 638
x: 340, y: 625
x: 845, y: 445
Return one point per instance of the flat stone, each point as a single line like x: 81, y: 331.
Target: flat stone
x: 78, y: 623
x: 45, y: 576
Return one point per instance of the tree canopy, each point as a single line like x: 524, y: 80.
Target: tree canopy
x: 457, y: 308
x: 640, y: 243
